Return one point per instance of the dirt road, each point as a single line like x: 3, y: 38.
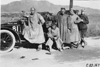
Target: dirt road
x: 81, y: 57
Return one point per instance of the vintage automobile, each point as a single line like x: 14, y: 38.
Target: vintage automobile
x: 11, y: 33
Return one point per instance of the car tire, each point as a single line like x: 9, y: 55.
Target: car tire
x: 7, y: 41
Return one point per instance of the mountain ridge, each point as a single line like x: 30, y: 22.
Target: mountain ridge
x: 41, y: 6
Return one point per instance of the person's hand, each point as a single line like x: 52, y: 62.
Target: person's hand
x: 69, y: 28
x: 39, y: 22
x: 49, y: 35
x: 55, y: 38
x: 81, y: 20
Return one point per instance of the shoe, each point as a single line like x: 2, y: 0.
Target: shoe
x: 47, y: 48
x: 49, y: 53
x: 83, y: 44
x: 38, y: 49
x: 66, y: 48
x: 60, y: 50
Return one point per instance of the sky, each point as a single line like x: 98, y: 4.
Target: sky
x: 83, y: 3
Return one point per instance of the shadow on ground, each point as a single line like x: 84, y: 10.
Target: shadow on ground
x: 77, y: 55
x: 28, y: 45
x: 68, y: 55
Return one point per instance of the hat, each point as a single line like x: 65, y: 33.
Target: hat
x: 82, y: 10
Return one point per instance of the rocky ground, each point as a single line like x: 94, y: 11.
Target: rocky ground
x: 29, y: 57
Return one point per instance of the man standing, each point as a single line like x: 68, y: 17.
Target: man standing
x: 62, y: 20
x: 83, y: 26
x: 34, y: 32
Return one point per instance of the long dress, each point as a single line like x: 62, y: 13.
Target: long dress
x: 34, y: 32
x: 74, y: 33
x: 63, y: 27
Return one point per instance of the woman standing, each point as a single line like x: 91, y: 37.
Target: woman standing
x: 34, y: 32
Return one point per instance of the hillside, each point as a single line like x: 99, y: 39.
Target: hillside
x: 43, y: 5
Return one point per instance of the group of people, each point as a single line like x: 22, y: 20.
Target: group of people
x: 73, y: 26
x: 70, y: 27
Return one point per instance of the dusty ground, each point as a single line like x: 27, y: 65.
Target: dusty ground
x: 28, y: 57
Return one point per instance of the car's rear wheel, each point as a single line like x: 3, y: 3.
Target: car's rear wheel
x: 7, y: 41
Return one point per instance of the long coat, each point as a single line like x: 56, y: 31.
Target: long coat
x: 63, y: 27
x: 74, y: 33
x: 34, y: 32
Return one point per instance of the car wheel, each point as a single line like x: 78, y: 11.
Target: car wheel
x: 7, y: 41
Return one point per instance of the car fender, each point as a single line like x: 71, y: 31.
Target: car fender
x: 18, y: 39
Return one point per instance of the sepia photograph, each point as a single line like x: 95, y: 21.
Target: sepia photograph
x: 50, y: 33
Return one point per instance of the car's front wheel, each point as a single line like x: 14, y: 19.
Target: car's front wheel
x: 7, y: 41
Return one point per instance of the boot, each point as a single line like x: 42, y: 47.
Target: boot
x: 83, y: 43
x: 39, y: 47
